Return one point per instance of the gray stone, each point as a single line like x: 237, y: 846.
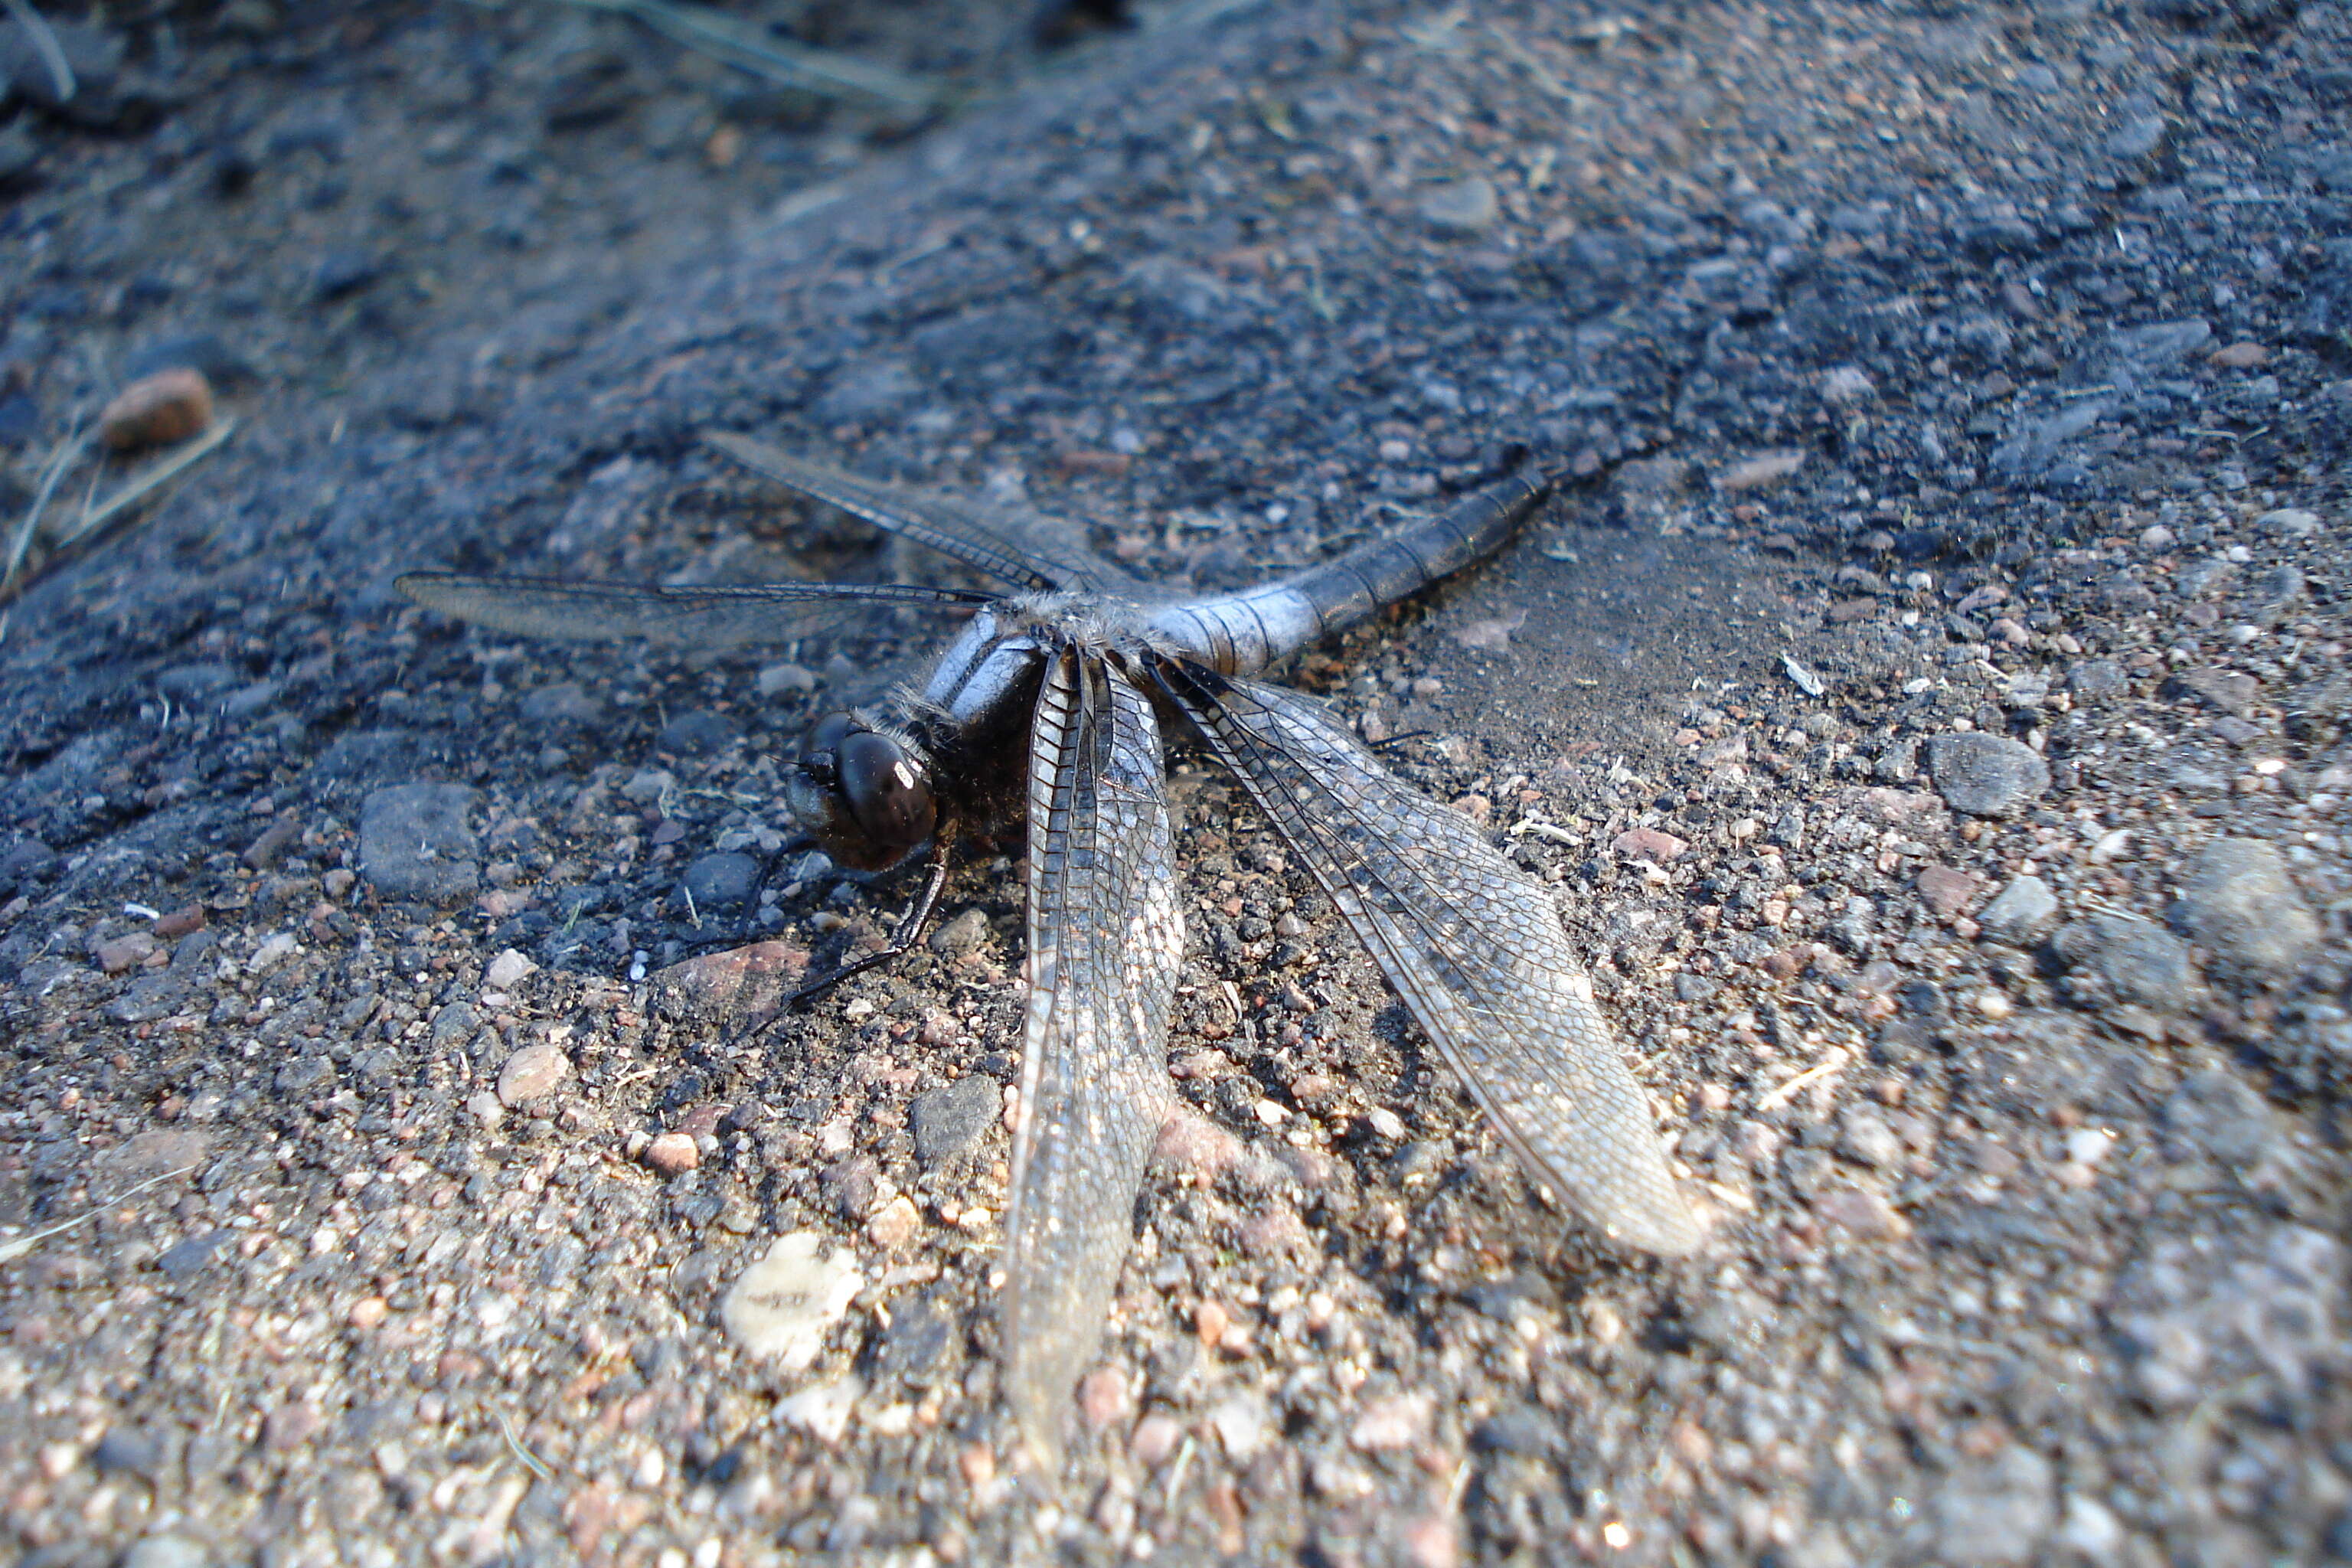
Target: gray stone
x: 2019, y: 913
x: 2231, y: 690
x: 964, y: 935
x: 564, y: 702
x: 1995, y: 1513
x: 302, y: 1075
x: 2238, y: 902
x: 415, y: 843
x: 2126, y: 960
x: 183, y: 1261
x: 1866, y: 1139
x: 2219, y: 1116
x: 951, y: 1120
x: 166, y: 1551
x: 2289, y: 522
x: 698, y: 732
x: 1463, y: 206
x: 1986, y: 775
x: 866, y: 390
x: 126, y: 1450
x: 720, y: 882
x: 2097, y: 680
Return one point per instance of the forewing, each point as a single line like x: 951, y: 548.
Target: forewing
x: 1473, y: 945
x: 701, y: 616
x: 1105, y: 940
x: 1020, y: 552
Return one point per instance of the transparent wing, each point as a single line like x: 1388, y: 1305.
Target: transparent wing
x: 1105, y: 940
x: 1022, y: 551
x: 701, y: 616
x: 1473, y: 946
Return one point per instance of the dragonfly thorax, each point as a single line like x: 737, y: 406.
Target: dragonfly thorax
x: 863, y: 793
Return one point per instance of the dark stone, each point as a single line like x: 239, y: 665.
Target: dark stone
x: 24, y: 861
x: 415, y: 843
x: 1986, y: 775
x: 720, y: 882
x: 1518, y: 1429
x: 697, y: 732
x: 951, y: 1120
x: 342, y: 273
x: 183, y: 1261
x: 2123, y: 958
x: 128, y: 1451
x: 917, y: 1345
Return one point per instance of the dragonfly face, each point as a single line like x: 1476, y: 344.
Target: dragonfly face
x: 863, y: 795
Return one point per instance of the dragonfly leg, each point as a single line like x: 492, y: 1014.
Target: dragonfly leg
x: 911, y: 929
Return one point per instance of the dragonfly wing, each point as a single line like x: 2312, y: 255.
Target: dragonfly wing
x: 1106, y: 936
x: 1011, y: 548
x: 1474, y: 947
x: 701, y: 616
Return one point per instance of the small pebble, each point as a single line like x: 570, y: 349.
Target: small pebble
x: 157, y: 410
x: 1866, y: 1216
x: 2289, y: 522
x: 1463, y: 206
x: 822, y: 1411
x: 1103, y: 1397
x: 2238, y: 901
x: 415, y: 843
x: 125, y: 952
x: 951, y: 1120
x: 1845, y: 383
x: 1650, y: 843
x: 1395, y: 1422
x: 784, y: 1306
x: 671, y: 1154
x: 1946, y: 890
x: 532, y: 1073
x: 1156, y: 1438
x: 2019, y: 913
x: 1757, y: 472
x: 895, y: 1224
x: 1986, y: 775
x: 507, y: 970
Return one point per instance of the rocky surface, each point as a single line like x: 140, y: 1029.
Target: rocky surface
x: 1927, y: 699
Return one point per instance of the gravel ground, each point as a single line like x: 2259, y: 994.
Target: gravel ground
x: 1928, y: 703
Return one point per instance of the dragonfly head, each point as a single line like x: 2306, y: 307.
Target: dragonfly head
x: 863, y: 795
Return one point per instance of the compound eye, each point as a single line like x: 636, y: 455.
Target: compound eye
x: 887, y: 793
x: 826, y: 736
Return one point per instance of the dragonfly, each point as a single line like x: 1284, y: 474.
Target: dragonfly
x: 1048, y: 711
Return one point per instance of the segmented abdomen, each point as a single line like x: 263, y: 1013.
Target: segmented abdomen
x: 1238, y: 633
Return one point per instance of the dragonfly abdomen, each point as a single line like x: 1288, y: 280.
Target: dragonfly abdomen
x: 1239, y: 633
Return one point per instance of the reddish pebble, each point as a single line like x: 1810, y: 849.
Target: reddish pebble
x: 180, y: 922
x: 1946, y: 890
x: 367, y: 1313
x: 978, y: 1464
x: 125, y: 951
x: 157, y: 410
x: 1156, y: 1438
x: 290, y: 1427
x: 1650, y: 843
x: 2241, y: 356
x: 1209, y: 1321
x: 672, y: 1154
x: 1866, y: 1216
x: 897, y: 1223
x: 1102, y: 1397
